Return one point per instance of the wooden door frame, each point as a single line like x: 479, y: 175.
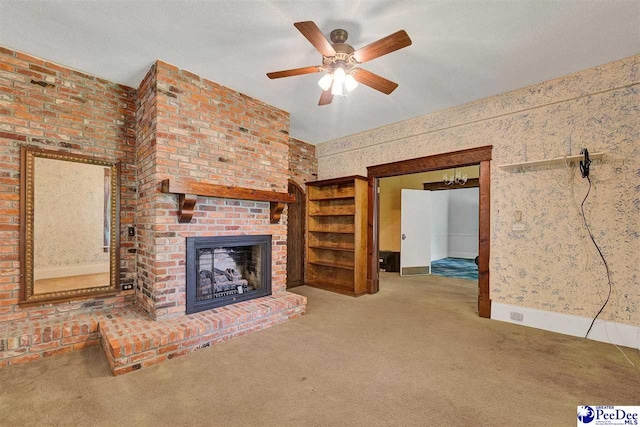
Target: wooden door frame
x: 304, y: 231
x: 468, y: 157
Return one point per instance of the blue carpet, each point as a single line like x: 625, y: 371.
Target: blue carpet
x: 455, y: 267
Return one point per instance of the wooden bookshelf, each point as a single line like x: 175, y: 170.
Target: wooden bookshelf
x: 337, y: 235
x: 332, y: 248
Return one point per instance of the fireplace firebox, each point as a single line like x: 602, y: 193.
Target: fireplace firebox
x: 223, y: 270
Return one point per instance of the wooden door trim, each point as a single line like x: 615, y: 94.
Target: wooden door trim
x: 468, y: 157
x: 484, y: 300
x: 303, y: 204
x: 292, y: 182
x: 454, y: 159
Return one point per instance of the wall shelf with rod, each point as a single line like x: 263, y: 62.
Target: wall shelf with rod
x: 551, y: 162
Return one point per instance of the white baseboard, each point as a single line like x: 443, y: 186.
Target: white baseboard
x: 569, y: 324
x: 439, y: 255
x: 466, y: 255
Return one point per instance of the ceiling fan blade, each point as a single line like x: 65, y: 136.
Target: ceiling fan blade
x: 311, y: 31
x: 375, y: 81
x: 326, y: 97
x: 294, y: 72
x: 389, y: 44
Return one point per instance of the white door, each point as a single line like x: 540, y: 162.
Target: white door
x: 415, y: 229
x: 439, y: 224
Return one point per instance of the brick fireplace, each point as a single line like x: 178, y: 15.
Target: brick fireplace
x: 176, y: 126
x: 194, y: 129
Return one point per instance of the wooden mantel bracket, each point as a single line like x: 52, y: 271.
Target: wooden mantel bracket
x: 188, y: 192
x: 276, y: 211
x: 186, y: 204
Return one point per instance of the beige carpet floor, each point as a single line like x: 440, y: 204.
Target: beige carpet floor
x: 415, y: 354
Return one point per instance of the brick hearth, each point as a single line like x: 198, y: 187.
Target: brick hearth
x: 131, y: 340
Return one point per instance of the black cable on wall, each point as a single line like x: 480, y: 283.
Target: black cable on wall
x: 585, y: 171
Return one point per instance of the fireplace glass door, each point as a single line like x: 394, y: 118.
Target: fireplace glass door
x: 225, y: 270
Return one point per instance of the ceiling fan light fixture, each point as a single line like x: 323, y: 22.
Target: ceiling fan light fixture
x: 350, y: 83
x: 339, y: 76
x: 325, y: 81
x: 341, y: 61
x: 336, y: 89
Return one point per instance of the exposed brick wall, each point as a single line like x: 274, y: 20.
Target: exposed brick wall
x: 49, y: 106
x: 303, y: 163
x: 213, y: 134
x: 177, y: 125
x: 146, y: 116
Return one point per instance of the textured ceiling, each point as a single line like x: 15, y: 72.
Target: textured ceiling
x: 462, y: 50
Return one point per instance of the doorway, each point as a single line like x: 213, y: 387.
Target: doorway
x: 428, y: 223
x: 458, y: 190
x: 295, y: 237
x: 475, y: 156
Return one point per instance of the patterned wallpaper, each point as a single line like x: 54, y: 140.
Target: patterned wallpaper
x: 551, y: 265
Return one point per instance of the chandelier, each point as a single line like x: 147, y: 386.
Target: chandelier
x: 455, y: 178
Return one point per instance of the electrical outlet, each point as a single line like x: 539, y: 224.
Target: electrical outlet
x: 518, y: 317
x: 132, y: 231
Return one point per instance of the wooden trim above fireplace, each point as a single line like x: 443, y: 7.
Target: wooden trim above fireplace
x: 188, y: 192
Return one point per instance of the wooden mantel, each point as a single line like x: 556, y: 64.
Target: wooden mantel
x: 188, y: 192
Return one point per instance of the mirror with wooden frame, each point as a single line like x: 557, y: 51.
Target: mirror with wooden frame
x: 69, y: 224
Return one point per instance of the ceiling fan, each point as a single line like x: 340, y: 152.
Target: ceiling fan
x: 341, y: 61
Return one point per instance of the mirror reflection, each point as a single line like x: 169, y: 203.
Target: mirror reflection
x: 69, y: 222
x: 71, y: 225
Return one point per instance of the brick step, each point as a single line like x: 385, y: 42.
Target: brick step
x: 31, y: 339
x: 131, y: 340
